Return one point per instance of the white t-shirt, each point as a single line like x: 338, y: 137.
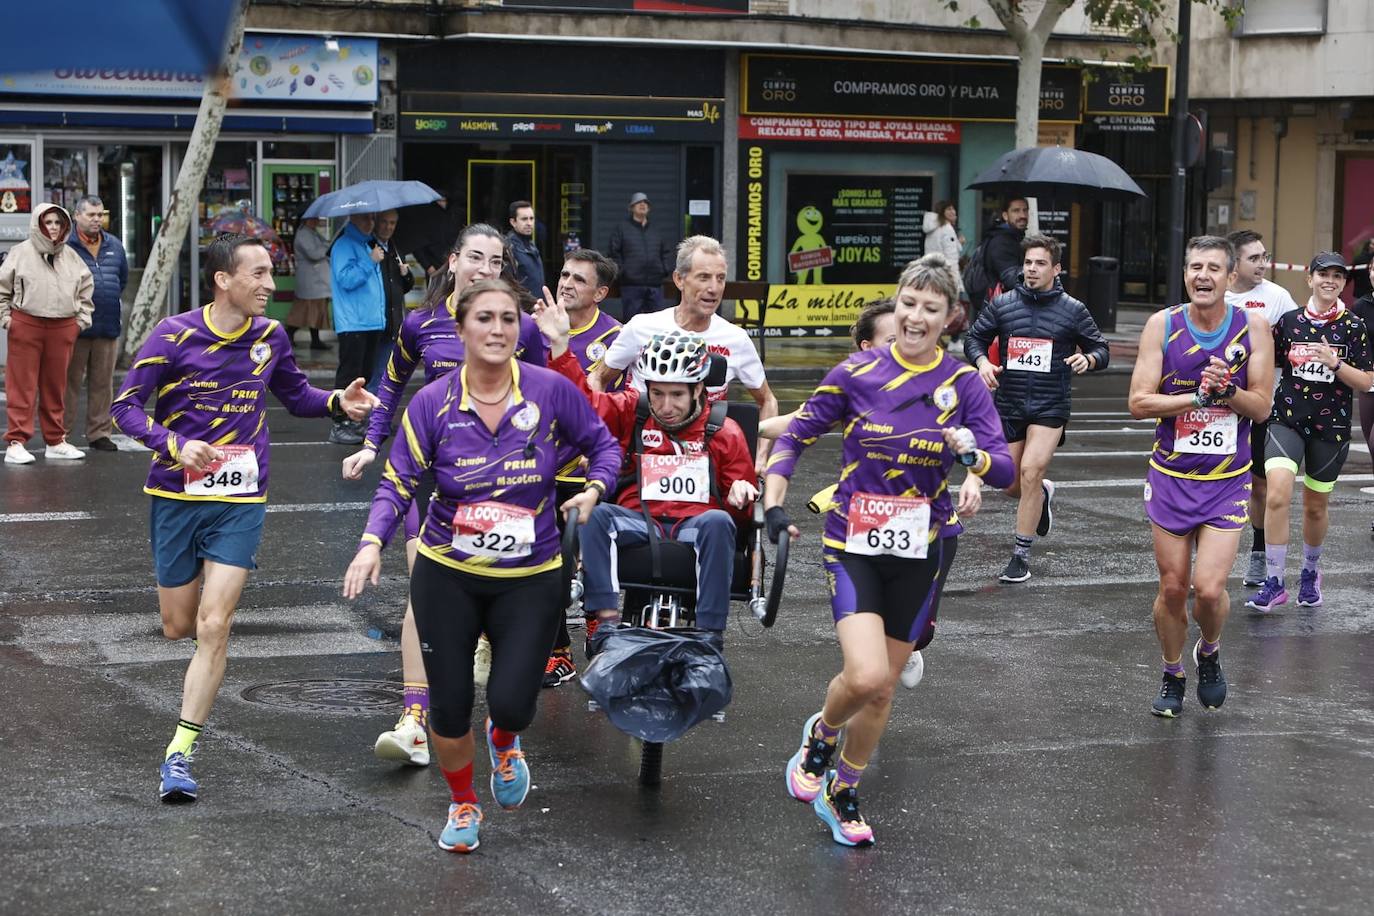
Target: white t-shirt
x: 1267, y: 295
x: 729, y: 340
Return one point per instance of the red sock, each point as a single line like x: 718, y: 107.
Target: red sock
x: 501, y: 739
x: 460, y: 785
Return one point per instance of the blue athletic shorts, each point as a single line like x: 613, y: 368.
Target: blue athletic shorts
x: 185, y: 533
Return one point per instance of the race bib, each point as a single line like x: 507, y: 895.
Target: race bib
x: 235, y: 474
x: 675, y: 478
x: 1206, y: 431
x: 895, y: 526
x: 1029, y: 354
x: 1303, y: 357
x: 496, y: 530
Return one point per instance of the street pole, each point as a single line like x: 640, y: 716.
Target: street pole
x: 1179, y: 182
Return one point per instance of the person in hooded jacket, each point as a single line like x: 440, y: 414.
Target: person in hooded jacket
x: 45, y: 301
x: 1045, y: 337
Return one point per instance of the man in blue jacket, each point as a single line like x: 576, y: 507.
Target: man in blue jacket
x: 359, y: 309
x: 93, y: 359
x: 1046, y: 337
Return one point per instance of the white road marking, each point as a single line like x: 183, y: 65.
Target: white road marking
x: 88, y: 516
x: 46, y: 517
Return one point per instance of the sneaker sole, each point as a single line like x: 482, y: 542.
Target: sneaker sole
x: 1265, y: 608
x: 1046, y: 523
x: 1317, y: 603
x: 460, y: 847
x: 177, y: 797
x: 1166, y: 713
x: 1011, y: 580
x: 388, y: 748
x: 823, y: 812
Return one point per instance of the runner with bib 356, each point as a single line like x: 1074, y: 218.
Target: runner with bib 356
x: 1204, y: 373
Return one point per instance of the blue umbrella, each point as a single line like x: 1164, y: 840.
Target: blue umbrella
x: 1058, y: 174
x: 176, y: 35
x: 371, y: 197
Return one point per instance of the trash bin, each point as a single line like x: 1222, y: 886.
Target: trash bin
x: 1103, y: 288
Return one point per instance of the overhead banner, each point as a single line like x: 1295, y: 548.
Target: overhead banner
x: 811, y: 311
x: 1122, y: 91
x: 917, y: 88
x: 553, y: 117
x: 848, y: 130
x: 276, y: 68
x: 853, y: 229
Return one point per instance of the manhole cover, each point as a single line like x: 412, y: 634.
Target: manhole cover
x: 336, y: 695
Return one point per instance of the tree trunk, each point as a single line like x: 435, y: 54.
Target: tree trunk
x: 162, y: 261
x: 1030, y: 63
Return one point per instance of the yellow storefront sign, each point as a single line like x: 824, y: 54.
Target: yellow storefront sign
x: 806, y: 306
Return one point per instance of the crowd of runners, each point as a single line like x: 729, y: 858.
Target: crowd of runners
x: 527, y: 417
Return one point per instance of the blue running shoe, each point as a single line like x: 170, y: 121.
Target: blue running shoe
x: 1169, y: 703
x: 178, y: 785
x: 460, y: 832
x: 1211, y: 683
x: 510, y: 775
x: 1271, y: 595
x: 1310, y: 588
x: 840, y: 812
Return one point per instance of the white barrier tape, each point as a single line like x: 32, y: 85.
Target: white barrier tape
x: 1279, y: 265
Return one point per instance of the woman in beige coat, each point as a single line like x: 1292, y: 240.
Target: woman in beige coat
x: 45, y: 301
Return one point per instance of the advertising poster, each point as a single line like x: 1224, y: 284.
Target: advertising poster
x: 16, y: 193
x: 854, y: 229
x: 813, y: 311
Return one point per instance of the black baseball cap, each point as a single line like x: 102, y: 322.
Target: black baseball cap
x: 1325, y: 259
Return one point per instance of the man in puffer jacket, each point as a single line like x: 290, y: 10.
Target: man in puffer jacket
x: 45, y: 301
x: 1045, y: 338
x: 93, y: 357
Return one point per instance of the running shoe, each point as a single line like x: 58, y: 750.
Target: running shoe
x: 15, y: 453
x: 913, y: 670
x: 1254, y: 572
x: 408, y: 742
x: 1018, y: 570
x: 1270, y: 596
x: 808, y: 765
x: 460, y: 832
x: 510, y: 775
x: 346, y: 432
x: 1169, y: 703
x: 592, y: 623
x: 63, y: 451
x: 1310, y: 588
x: 1046, y: 510
x: 1211, y: 683
x: 178, y: 785
x: 559, y: 669
x: 481, y: 661
x: 840, y: 812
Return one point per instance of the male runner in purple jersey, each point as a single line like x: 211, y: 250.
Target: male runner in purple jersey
x: 1204, y: 373
x: 211, y: 370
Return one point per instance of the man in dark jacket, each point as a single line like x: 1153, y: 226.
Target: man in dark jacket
x: 1004, y: 243
x: 396, y: 282
x: 645, y: 256
x: 529, y: 264
x: 93, y: 359
x: 1045, y: 338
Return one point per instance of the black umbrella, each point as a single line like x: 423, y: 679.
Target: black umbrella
x: 1058, y: 174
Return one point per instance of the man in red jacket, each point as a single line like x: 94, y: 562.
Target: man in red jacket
x: 694, y: 474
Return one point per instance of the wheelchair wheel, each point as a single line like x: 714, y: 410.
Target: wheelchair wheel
x: 779, y: 574
x: 650, y: 763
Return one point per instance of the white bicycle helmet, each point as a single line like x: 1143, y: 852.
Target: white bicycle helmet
x: 677, y: 356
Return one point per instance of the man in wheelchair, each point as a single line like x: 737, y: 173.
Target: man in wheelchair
x: 688, y: 474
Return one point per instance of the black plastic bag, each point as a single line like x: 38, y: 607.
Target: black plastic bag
x: 656, y: 684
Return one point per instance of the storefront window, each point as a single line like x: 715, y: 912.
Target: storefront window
x: 16, y: 192
x: 66, y: 174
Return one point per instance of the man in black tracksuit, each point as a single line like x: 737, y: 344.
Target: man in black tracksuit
x: 1045, y: 338
x: 646, y: 257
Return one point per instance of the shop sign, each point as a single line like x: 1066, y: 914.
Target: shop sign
x: 275, y: 68
x: 811, y: 311
x: 738, y: 7
x: 848, y: 130
x: 1121, y: 91
x: 854, y: 228
x: 531, y: 117
x: 1125, y: 124
x: 959, y: 90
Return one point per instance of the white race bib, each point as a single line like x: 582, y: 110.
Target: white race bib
x: 1029, y: 354
x: 1206, y: 431
x: 235, y: 474
x: 493, y: 529
x: 896, y: 526
x: 675, y: 478
x: 1303, y: 357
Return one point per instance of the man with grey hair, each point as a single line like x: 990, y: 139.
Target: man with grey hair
x: 644, y: 255
x: 700, y: 276
x: 93, y: 358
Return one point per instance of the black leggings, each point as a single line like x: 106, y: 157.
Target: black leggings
x: 519, y: 616
x: 1367, y: 420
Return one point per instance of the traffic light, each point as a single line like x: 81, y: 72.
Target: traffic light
x: 1221, y: 168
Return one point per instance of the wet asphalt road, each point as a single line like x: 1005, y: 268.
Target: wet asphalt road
x: 1024, y: 774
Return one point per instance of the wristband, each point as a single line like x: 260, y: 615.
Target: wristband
x: 598, y: 486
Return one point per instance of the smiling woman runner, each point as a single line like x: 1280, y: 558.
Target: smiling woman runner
x: 428, y: 338
x: 909, y: 412
x: 489, y: 548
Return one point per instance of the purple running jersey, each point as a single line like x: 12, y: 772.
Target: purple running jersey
x: 590, y: 342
